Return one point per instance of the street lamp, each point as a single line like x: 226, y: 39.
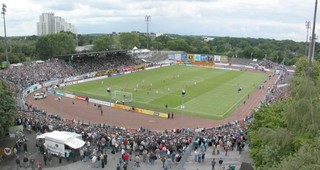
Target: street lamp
x: 4, y: 10
x: 148, y: 19
x: 308, y: 26
x: 183, y: 93
x: 110, y: 115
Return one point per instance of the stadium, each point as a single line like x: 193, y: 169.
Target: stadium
x: 168, y: 95
x: 153, y: 91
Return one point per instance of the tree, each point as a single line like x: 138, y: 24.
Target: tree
x: 263, y: 132
x: 294, y: 143
x: 179, y: 45
x: 7, y: 109
x: 143, y: 41
x: 55, y: 44
x: 163, y: 39
x: 104, y: 43
x: 302, y: 68
x: 129, y: 40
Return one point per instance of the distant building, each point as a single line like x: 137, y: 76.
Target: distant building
x: 207, y: 39
x: 48, y: 24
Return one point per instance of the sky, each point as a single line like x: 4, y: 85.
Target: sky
x: 271, y: 19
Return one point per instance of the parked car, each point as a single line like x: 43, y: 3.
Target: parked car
x: 40, y: 95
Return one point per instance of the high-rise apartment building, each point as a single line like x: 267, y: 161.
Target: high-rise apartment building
x: 48, y: 24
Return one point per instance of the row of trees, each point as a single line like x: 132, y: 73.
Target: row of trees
x: 8, y: 109
x: 285, y: 135
x: 33, y: 47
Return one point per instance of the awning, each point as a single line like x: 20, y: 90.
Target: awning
x: 75, y: 143
x: 42, y: 136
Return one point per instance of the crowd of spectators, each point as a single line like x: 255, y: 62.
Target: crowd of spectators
x: 86, y: 64
x: 280, y: 90
x: 35, y: 72
x: 136, y: 146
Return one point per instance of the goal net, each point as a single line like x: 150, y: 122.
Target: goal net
x: 122, y: 96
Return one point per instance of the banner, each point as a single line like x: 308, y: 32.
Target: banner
x: 197, y: 57
x: 190, y: 57
x: 177, y: 57
x: 224, y: 59
x: 50, y: 83
x: 120, y: 106
x: 80, y: 98
x: 171, y: 56
x: 204, y: 57
x: 184, y: 57
x: 217, y: 58
x: 58, y: 93
x: 4, y: 64
x: 106, y: 72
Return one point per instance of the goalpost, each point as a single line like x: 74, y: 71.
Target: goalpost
x: 122, y: 96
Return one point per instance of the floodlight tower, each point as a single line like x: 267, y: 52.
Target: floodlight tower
x: 308, y: 26
x: 148, y: 19
x: 4, y: 10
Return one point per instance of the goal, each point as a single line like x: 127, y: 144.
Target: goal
x: 122, y: 96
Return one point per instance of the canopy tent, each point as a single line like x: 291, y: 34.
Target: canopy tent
x: 71, y: 139
x: 75, y: 143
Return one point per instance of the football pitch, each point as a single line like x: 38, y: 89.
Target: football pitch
x: 210, y: 93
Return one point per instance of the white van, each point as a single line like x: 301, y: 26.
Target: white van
x: 40, y: 95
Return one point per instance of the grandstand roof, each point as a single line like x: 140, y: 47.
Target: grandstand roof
x: 67, y: 56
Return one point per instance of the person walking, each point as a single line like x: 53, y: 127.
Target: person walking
x: 32, y: 163
x: 39, y: 165
x: 45, y: 158
x: 105, y: 159
x: 68, y: 155
x: 102, y: 160
x: 18, y: 163
x: 25, y: 147
x: 220, y: 163
x: 137, y: 160
x: 49, y: 157
x: 25, y: 161
x: 60, y: 158
x: 213, y: 163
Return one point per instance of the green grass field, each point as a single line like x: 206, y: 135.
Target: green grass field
x: 210, y: 93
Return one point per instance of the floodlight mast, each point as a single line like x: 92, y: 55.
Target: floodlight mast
x: 148, y: 19
x: 308, y: 26
x: 4, y: 10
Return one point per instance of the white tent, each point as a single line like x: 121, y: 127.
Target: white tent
x: 75, y: 143
x: 56, y: 141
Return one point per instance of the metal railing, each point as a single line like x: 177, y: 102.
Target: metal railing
x: 187, y: 153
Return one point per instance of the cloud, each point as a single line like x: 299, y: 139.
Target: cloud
x: 242, y: 18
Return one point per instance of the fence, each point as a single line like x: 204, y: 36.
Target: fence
x: 187, y: 153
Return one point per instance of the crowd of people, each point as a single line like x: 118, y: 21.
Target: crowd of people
x: 20, y: 77
x: 134, y: 147
x: 86, y: 64
x: 280, y: 90
x: 35, y: 72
